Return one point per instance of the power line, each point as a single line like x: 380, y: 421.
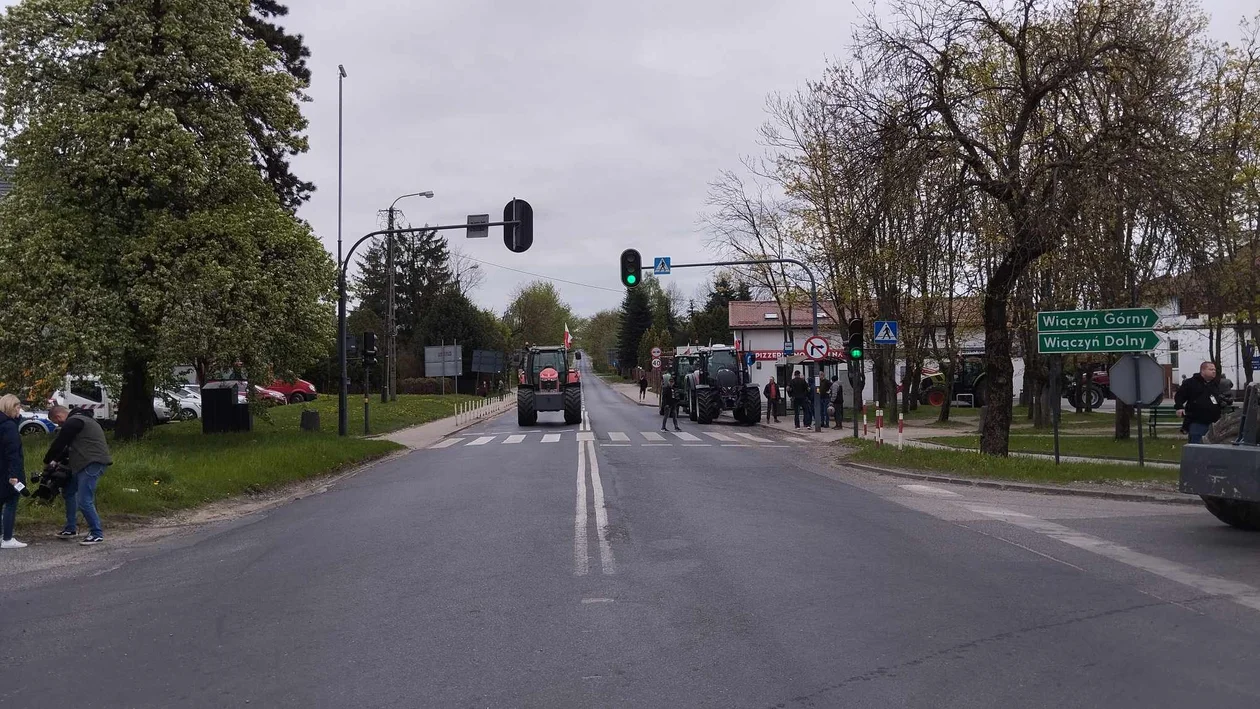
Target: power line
x: 539, y: 275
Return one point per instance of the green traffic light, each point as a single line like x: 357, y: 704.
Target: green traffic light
x: 631, y: 279
x: 855, y: 353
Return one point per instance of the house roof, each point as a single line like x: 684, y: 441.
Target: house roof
x: 764, y: 315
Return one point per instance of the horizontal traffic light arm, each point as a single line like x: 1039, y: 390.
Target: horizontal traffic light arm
x: 341, y: 267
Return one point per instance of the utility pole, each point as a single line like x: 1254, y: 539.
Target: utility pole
x: 387, y: 383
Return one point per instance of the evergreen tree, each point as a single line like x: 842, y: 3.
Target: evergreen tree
x: 636, y: 318
x: 422, y: 271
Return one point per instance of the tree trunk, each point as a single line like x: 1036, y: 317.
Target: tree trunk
x: 998, y: 373
x: 135, y: 404
x: 947, y: 369
x: 1124, y: 415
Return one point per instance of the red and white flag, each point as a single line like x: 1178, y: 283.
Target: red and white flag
x: 568, y: 339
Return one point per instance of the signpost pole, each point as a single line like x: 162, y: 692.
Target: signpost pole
x: 1056, y: 399
x: 1137, y: 410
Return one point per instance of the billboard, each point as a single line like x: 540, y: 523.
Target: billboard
x: 444, y: 361
x: 487, y: 361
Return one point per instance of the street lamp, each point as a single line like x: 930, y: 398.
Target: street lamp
x: 389, y: 390
x: 343, y: 391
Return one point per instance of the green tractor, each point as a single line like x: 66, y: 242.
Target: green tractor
x: 969, y: 381
x: 721, y: 382
x: 549, y: 382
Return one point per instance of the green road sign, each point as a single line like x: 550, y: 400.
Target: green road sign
x: 1097, y: 320
x: 1084, y: 342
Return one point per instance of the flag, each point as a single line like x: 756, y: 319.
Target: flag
x: 568, y: 339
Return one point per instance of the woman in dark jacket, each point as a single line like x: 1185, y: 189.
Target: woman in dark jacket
x: 11, y: 468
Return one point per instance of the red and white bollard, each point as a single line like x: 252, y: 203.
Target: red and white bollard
x: 901, y: 428
x: 879, y: 427
x: 863, y: 420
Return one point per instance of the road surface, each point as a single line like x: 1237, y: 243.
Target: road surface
x: 608, y: 564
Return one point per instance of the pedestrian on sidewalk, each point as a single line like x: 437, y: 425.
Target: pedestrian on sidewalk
x: 772, y: 394
x: 824, y: 395
x: 669, y: 405
x: 12, y: 474
x: 837, y: 400
x: 643, y: 386
x: 1198, y: 401
x: 82, y: 441
x: 799, y: 391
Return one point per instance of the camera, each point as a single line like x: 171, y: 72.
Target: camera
x: 52, y: 481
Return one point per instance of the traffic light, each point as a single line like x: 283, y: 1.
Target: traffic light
x: 518, y: 237
x: 369, y: 348
x: 856, y: 347
x: 631, y: 268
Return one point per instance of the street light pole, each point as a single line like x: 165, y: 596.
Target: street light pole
x: 389, y: 385
x: 342, y: 388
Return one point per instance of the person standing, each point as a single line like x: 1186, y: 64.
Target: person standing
x: 772, y: 394
x: 82, y: 440
x: 11, y: 469
x: 643, y: 384
x: 837, y: 399
x: 1198, y: 401
x: 824, y: 395
x: 669, y: 405
x: 799, y: 391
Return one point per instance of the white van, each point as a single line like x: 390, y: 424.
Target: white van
x: 90, y: 394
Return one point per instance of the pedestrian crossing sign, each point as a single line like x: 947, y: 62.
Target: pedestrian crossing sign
x: 660, y: 266
x: 885, y: 332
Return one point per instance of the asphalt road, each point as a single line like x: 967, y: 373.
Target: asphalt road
x: 721, y: 570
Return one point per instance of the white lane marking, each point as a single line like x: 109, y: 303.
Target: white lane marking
x: 928, y: 490
x: 754, y: 439
x: 446, y: 443
x: 794, y: 439
x: 658, y: 445
x: 606, y: 560
x: 514, y: 438
x: 736, y: 445
x: 697, y: 445
x: 581, y: 559
x: 720, y: 437
x: 685, y: 436
x: 614, y: 445
x: 652, y: 436
x: 774, y: 445
x: 597, y: 600
x: 551, y: 438
x: 1238, y: 592
x: 618, y: 436
x: 586, y: 436
x: 481, y: 441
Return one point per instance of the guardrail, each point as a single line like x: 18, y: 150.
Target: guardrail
x: 481, y: 408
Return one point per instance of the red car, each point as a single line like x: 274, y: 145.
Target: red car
x: 296, y: 392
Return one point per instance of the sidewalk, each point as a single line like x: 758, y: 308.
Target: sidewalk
x: 630, y: 390
x: 427, y: 434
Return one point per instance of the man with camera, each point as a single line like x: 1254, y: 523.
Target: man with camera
x: 81, y: 441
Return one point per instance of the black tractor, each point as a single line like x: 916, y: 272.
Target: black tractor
x: 721, y: 382
x: 549, y: 382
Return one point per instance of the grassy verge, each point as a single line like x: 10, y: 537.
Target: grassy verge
x: 974, y: 465
x: 176, y: 467
x: 1167, y: 450
x: 409, y: 410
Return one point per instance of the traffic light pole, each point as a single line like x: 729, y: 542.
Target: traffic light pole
x: 813, y: 297
x: 344, y: 386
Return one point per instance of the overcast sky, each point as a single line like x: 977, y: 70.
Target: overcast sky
x: 610, y: 118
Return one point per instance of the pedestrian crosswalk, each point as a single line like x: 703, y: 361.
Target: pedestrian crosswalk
x: 729, y: 439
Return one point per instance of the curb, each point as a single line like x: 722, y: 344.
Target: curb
x: 630, y: 398
x: 1027, y: 487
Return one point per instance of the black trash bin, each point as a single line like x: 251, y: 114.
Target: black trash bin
x: 222, y: 413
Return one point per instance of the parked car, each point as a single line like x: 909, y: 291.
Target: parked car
x: 270, y: 397
x: 35, y: 422
x: 184, y: 401
x: 91, y: 394
x: 296, y: 391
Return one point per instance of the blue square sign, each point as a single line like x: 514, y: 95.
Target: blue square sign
x: 660, y: 266
x: 885, y: 332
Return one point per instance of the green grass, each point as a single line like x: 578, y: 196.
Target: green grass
x: 408, y: 410
x: 926, y: 414
x: 974, y: 465
x: 176, y: 467
x: 1166, y: 449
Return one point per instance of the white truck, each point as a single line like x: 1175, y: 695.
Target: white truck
x: 91, y: 394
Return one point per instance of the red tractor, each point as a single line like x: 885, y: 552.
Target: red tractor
x: 549, y: 382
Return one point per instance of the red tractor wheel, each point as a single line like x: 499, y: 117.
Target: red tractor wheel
x: 936, y: 397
